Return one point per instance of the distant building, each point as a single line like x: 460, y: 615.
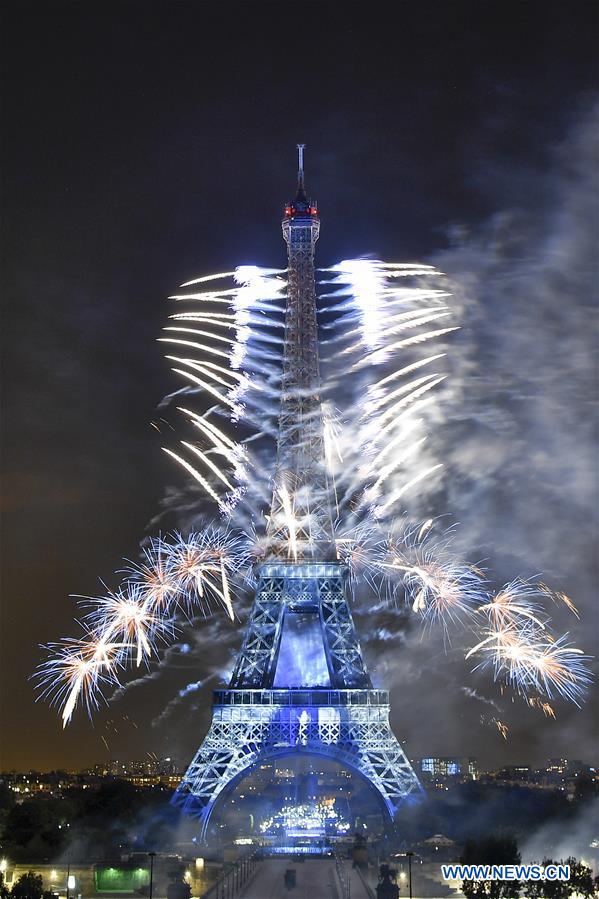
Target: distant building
x: 442, y: 767
x: 514, y: 773
x: 153, y: 768
x: 438, y: 847
x: 565, y: 766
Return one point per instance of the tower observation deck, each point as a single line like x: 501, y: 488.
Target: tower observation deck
x: 300, y: 684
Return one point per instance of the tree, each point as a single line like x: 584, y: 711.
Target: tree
x: 586, y: 788
x: 581, y: 878
x: 491, y: 851
x: 4, y: 891
x: 580, y: 883
x: 118, y: 800
x: 32, y: 830
x: 28, y: 886
x: 7, y: 797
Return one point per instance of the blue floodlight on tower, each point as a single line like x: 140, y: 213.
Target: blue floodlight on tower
x: 300, y: 684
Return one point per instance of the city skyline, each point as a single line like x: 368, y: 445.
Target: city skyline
x: 171, y: 766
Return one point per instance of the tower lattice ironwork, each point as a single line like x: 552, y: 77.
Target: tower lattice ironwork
x: 300, y: 684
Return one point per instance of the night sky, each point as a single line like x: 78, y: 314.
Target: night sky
x: 148, y: 143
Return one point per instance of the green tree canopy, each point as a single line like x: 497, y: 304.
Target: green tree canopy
x: 580, y: 883
x: 491, y: 851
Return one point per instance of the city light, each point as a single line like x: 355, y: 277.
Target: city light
x: 308, y: 819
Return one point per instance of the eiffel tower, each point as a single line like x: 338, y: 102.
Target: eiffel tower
x: 300, y: 684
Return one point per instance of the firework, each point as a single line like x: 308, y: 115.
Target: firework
x: 290, y: 521
x: 129, y: 618
x: 356, y: 548
x: 501, y: 727
x: 435, y: 585
x: 381, y: 386
x: 159, y: 585
x: 384, y: 309
x: 535, y: 702
x: 127, y: 626
x: 526, y: 658
x: 519, y: 646
x: 78, y: 670
x: 514, y: 603
x: 191, y: 571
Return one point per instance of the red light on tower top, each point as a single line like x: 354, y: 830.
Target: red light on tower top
x: 302, y: 207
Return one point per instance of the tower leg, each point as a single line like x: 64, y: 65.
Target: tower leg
x: 251, y: 727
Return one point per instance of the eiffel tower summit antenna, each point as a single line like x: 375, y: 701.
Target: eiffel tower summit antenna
x: 300, y: 167
x: 300, y: 684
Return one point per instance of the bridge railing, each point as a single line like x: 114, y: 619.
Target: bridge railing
x: 343, y: 877
x: 233, y: 880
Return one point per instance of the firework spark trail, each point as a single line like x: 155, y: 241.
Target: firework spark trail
x: 290, y: 521
x: 528, y: 659
x: 501, y: 727
x: 210, y: 370
x: 205, y: 348
x: 535, y: 702
x: 379, y: 398
x: 381, y: 509
x: 372, y: 492
x: 366, y: 309
x: 436, y: 586
x: 194, y: 473
x: 558, y: 597
x: 377, y: 356
x: 198, y: 567
x: 78, y: 669
x: 515, y: 602
x: 249, y: 370
x: 356, y: 548
x: 389, y: 419
x: 127, y: 617
x: 198, y: 452
x: 232, y: 452
x: 160, y: 588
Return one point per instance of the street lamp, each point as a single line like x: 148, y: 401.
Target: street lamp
x: 152, y: 857
x: 409, y: 855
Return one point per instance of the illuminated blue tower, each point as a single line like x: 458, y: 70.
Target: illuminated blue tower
x: 300, y: 684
